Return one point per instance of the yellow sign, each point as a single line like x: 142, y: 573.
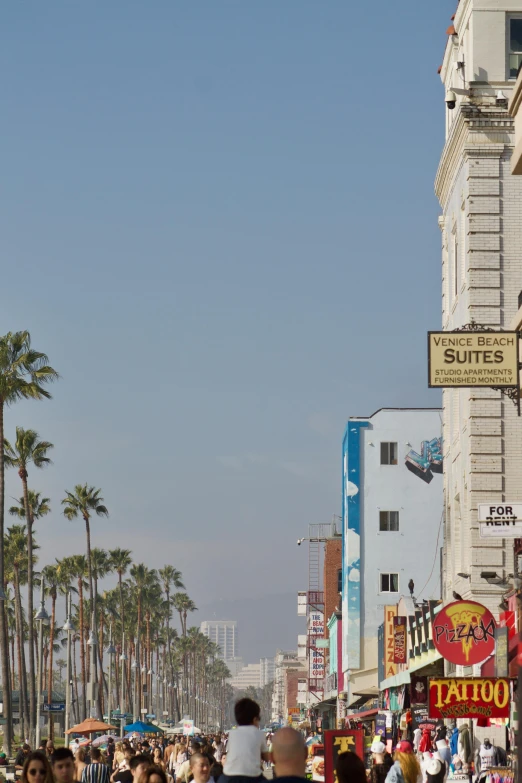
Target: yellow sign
x: 458, y: 359
x: 390, y: 667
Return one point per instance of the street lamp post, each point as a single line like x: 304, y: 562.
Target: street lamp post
x: 142, y: 688
x: 150, y: 678
x: 92, y: 642
x: 68, y: 627
x: 41, y: 616
x: 134, y: 667
x: 123, y: 659
x: 111, y: 652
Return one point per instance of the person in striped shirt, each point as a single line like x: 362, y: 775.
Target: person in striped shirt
x: 96, y: 771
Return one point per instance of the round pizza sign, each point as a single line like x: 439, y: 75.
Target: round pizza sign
x: 464, y: 633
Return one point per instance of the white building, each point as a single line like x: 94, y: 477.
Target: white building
x: 235, y: 665
x: 481, y: 226
x: 392, y: 528
x: 224, y: 634
x: 267, y: 671
x: 249, y: 676
x: 284, y: 659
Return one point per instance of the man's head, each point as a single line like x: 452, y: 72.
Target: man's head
x: 200, y: 768
x: 247, y: 712
x: 49, y: 747
x: 96, y: 755
x: 289, y: 753
x: 62, y: 762
x: 26, y: 748
x: 139, y: 764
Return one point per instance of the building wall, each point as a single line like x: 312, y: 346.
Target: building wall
x: 267, y: 671
x: 481, y: 229
x: 249, y: 676
x: 413, y: 487
x: 332, y: 563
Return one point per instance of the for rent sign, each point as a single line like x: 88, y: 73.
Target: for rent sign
x: 469, y: 698
x: 457, y: 359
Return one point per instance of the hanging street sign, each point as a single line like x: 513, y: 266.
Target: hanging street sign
x: 464, y: 633
x: 472, y: 358
x: 54, y: 707
x: 465, y: 697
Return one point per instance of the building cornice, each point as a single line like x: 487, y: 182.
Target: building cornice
x: 491, y: 131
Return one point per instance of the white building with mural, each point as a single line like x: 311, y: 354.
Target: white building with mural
x: 392, y: 520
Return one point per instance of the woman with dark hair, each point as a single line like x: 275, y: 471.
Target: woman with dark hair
x: 350, y: 768
x: 153, y: 774
x: 37, y: 769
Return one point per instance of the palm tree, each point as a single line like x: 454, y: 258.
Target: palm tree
x: 143, y: 578
x: 75, y: 566
x: 170, y: 576
x: 101, y: 566
x: 18, y: 565
x: 183, y: 605
x: 120, y: 561
x: 61, y: 663
x: 28, y: 449
x: 82, y: 502
x: 52, y: 583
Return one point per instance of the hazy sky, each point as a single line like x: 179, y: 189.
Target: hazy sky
x: 218, y: 220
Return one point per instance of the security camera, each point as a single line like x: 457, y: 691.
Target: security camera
x: 299, y: 541
x: 451, y: 99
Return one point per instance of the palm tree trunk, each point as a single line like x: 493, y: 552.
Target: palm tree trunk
x: 82, y: 652
x: 4, y: 650
x: 50, y: 680
x: 75, y: 682
x: 22, y: 674
x: 30, y: 610
x: 117, y: 675
x: 22, y: 697
x: 13, y: 667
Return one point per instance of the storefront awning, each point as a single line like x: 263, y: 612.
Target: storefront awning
x: 403, y: 678
x: 363, y: 697
x: 362, y: 715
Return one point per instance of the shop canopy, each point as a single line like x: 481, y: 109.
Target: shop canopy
x: 90, y: 726
x: 143, y: 728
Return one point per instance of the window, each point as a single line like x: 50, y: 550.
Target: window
x: 389, y: 453
x: 389, y: 583
x: 340, y: 580
x: 388, y: 521
x: 515, y: 47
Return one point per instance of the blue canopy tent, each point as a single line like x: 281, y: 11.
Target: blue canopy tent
x: 143, y: 728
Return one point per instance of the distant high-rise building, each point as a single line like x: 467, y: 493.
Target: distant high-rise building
x: 267, y: 671
x: 248, y: 677
x: 224, y: 634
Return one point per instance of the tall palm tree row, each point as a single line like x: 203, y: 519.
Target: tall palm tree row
x: 24, y: 374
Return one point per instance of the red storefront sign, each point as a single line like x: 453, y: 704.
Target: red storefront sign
x: 462, y: 697
x: 399, y: 640
x: 339, y: 741
x: 464, y: 633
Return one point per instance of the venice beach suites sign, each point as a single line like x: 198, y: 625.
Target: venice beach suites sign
x: 457, y: 359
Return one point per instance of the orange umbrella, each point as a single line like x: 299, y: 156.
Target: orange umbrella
x: 90, y: 726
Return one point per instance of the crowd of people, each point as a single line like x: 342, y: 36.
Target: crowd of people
x: 241, y: 756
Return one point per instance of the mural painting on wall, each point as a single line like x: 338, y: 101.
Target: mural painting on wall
x: 428, y: 462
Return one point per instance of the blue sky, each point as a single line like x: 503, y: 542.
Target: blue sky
x: 218, y: 220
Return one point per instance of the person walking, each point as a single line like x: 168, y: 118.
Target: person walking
x: 289, y: 754
x: 96, y: 771
x: 247, y: 747
x: 62, y: 765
